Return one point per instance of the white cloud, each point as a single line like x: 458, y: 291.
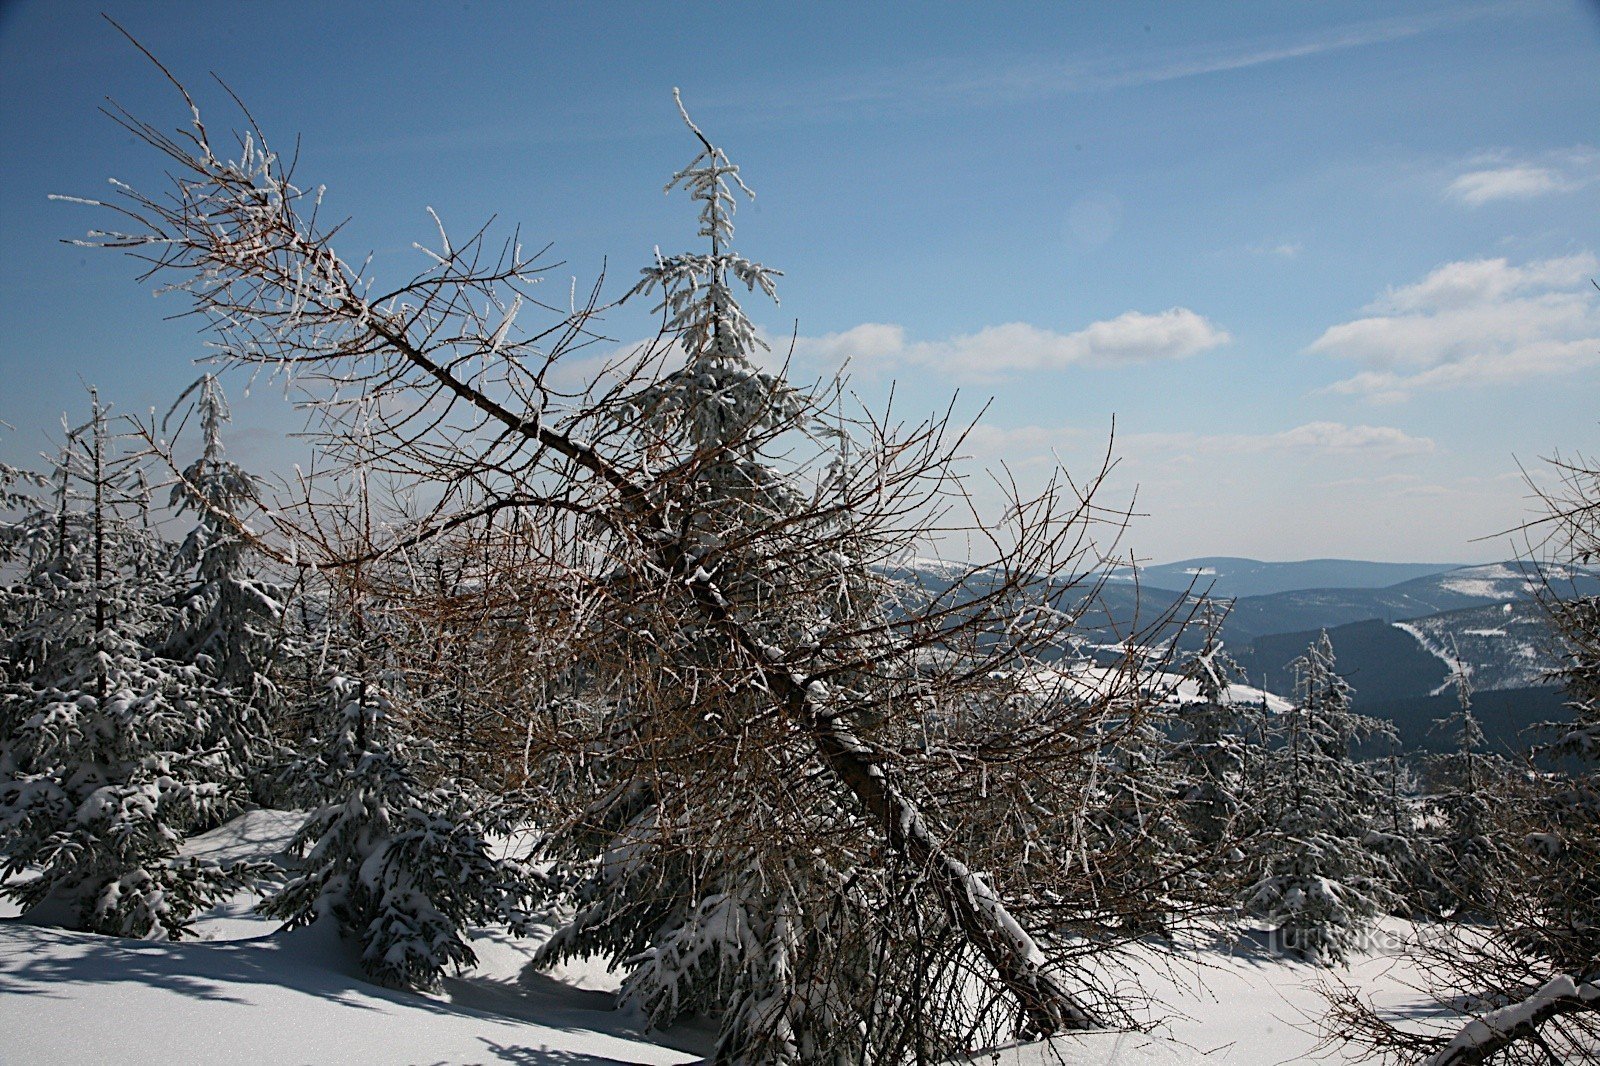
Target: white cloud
x: 1512, y: 179
x: 1024, y: 444
x: 1282, y: 249
x: 1385, y: 442
x: 1469, y: 323
x: 1131, y: 338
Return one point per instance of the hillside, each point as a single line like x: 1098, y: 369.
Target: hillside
x: 1380, y: 661
x: 1229, y: 577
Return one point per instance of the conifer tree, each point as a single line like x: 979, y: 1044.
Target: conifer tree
x: 1148, y: 857
x: 226, y: 620
x: 1212, y: 736
x: 108, y: 753
x: 402, y: 868
x: 1466, y: 784
x: 1557, y: 905
x: 725, y: 934
x: 1320, y: 883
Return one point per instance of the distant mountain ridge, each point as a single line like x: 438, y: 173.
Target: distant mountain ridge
x: 1130, y: 600
x: 1231, y: 577
x: 1486, y: 585
x: 1400, y: 644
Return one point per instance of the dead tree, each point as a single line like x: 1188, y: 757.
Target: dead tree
x: 768, y: 676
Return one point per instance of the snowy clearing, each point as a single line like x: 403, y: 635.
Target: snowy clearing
x: 245, y: 991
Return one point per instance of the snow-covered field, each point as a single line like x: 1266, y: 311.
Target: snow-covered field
x: 246, y: 993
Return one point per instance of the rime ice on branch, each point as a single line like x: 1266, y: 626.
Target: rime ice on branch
x: 726, y: 694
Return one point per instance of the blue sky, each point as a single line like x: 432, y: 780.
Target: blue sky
x: 1327, y: 265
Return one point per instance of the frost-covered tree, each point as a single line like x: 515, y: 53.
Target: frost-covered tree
x: 108, y: 750
x: 1212, y: 735
x: 737, y: 930
x: 227, y: 619
x: 1399, y: 833
x: 1466, y: 786
x: 725, y: 696
x: 1133, y: 821
x: 404, y: 869
x: 1320, y: 882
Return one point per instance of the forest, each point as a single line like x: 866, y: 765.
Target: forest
x: 646, y: 669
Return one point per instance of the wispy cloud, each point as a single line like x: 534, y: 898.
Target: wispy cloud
x: 1387, y: 442
x: 1024, y: 445
x: 1472, y: 322
x: 1278, y: 249
x: 996, y: 351
x: 1504, y: 177
x: 991, y: 80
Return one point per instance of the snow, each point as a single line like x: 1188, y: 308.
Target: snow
x: 292, y: 997
x: 1186, y: 690
x: 1087, y: 680
x: 1093, y: 1049
x: 1485, y: 588
x: 1496, y: 1023
x: 80, y: 998
x: 253, y: 836
x: 245, y: 992
x: 1496, y: 581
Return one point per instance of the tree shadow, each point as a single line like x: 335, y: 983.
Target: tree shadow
x: 41, y: 960
x: 52, y: 963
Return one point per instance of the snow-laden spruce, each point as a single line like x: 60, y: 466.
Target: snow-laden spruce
x: 1319, y: 882
x: 1466, y: 785
x: 404, y: 869
x: 227, y: 619
x: 1212, y: 744
x: 768, y: 948
x: 109, y: 752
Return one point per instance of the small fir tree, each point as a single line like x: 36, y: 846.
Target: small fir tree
x: 107, y: 749
x: 1319, y: 881
x: 1466, y: 785
x: 402, y: 868
x: 1212, y: 735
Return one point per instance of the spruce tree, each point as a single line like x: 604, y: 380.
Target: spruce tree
x: 1466, y: 784
x: 1557, y: 903
x: 1319, y: 883
x: 227, y: 621
x: 1147, y: 857
x: 726, y: 931
x: 108, y: 750
x: 403, y: 868
x: 1212, y: 734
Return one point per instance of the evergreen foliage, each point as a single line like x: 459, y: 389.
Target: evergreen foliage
x: 725, y: 932
x: 226, y: 621
x: 109, y: 752
x: 1213, y: 733
x: 401, y: 867
x: 1467, y: 784
x: 1320, y: 882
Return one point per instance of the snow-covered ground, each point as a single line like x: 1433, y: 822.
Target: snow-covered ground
x: 246, y: 993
